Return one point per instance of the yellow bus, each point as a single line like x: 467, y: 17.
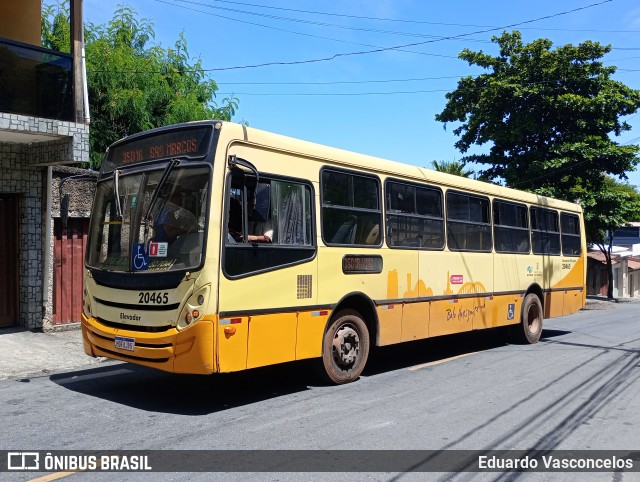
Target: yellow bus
x: 215, y: 247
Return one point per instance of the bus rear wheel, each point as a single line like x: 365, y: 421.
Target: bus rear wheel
x: 529, y: 330
x: 345, y: 348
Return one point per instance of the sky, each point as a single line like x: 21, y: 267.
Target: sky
x: 380, y: 103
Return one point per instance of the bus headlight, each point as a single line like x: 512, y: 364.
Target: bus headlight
x: 193, y: 309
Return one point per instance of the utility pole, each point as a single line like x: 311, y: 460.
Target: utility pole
x: 77, y: 48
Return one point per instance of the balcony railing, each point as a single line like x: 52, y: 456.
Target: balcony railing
x: 35, y: 81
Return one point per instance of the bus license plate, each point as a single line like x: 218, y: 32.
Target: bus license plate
x: 125, y: 343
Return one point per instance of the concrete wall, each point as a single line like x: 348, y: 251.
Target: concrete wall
x: 20, y: 20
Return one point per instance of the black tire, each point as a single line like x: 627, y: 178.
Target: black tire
x: 345, y: 348
x: 529, y: 330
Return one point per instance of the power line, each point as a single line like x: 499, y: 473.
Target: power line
x: 304, y: 33
x: 397, y: 47
x: 624, y: 58
x: 359, y: 82
x: 382, y: 81
x: 308, y: 22
x: 337, y: 82
x: 421, y: 22
x: 324, y: 94
x: 564, y: 168
x: 556, y: 171
x: 345, y: 15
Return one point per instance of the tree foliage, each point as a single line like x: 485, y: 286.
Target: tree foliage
x: 135, y: 84
x: 452, y: 167
x: 546, y: 115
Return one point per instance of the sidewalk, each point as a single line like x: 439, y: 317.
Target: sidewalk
x: 26, y: 353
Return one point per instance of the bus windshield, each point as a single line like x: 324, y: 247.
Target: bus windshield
x: 123, y: 238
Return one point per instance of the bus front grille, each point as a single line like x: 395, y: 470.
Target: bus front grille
x: 125, y: 326
x: 138, y: 307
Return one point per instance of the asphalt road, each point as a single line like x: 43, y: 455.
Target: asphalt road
x: 577, y: 389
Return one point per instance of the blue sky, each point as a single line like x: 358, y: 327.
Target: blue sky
x: 383, y: 103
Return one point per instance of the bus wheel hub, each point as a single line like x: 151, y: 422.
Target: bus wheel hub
x: 345, y: 346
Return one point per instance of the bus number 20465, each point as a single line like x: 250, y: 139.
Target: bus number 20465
x: 157, y: 298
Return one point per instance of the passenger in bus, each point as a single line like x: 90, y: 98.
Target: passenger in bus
x: 179, y: 222
x: 175, y: 202
x: 260, y: 231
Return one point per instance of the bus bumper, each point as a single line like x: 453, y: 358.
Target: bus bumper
x: 185, y: 351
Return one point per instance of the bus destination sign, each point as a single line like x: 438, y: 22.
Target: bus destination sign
x: 159, y: 151
x: 191, y: 142
x: 361, y: 263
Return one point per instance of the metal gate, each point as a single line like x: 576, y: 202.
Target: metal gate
x: 69, y: 246
x: 8, y: 260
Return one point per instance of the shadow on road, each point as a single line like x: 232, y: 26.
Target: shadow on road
x: 156, y: 391
x: 405, y: 355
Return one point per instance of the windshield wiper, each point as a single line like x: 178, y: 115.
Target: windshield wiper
x: 146, y: 219
x: 116, y: 188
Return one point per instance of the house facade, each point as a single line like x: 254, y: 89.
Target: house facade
x: 626, y: 273
x: 42, y: 125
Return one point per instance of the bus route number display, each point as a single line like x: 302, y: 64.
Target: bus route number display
x: 360, y: 263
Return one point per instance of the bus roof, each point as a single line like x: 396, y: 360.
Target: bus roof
x: 348, y: 159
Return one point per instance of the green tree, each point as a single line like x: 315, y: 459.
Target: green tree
x: 452, y: 167
x: 546, y: 116
x: 133, y: 83
x: 605, y: 211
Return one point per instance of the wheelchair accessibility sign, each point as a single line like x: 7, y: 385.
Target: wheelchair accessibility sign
x: 139, y: 257
x: 511, y: 311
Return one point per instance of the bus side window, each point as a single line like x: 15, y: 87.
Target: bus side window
x: 510, y: 227
x: 277, y: 216
x: 414, y: 216
x: 351, y: 208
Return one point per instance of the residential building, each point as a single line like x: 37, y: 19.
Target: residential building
x: 43, y: 123
x: 626, y: 273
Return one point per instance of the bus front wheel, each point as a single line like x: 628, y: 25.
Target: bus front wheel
x: 529, y: 329
x: 345, y: 348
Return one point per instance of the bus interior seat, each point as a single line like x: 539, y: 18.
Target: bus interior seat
x: 346, y: 233
x: 373, y: 236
